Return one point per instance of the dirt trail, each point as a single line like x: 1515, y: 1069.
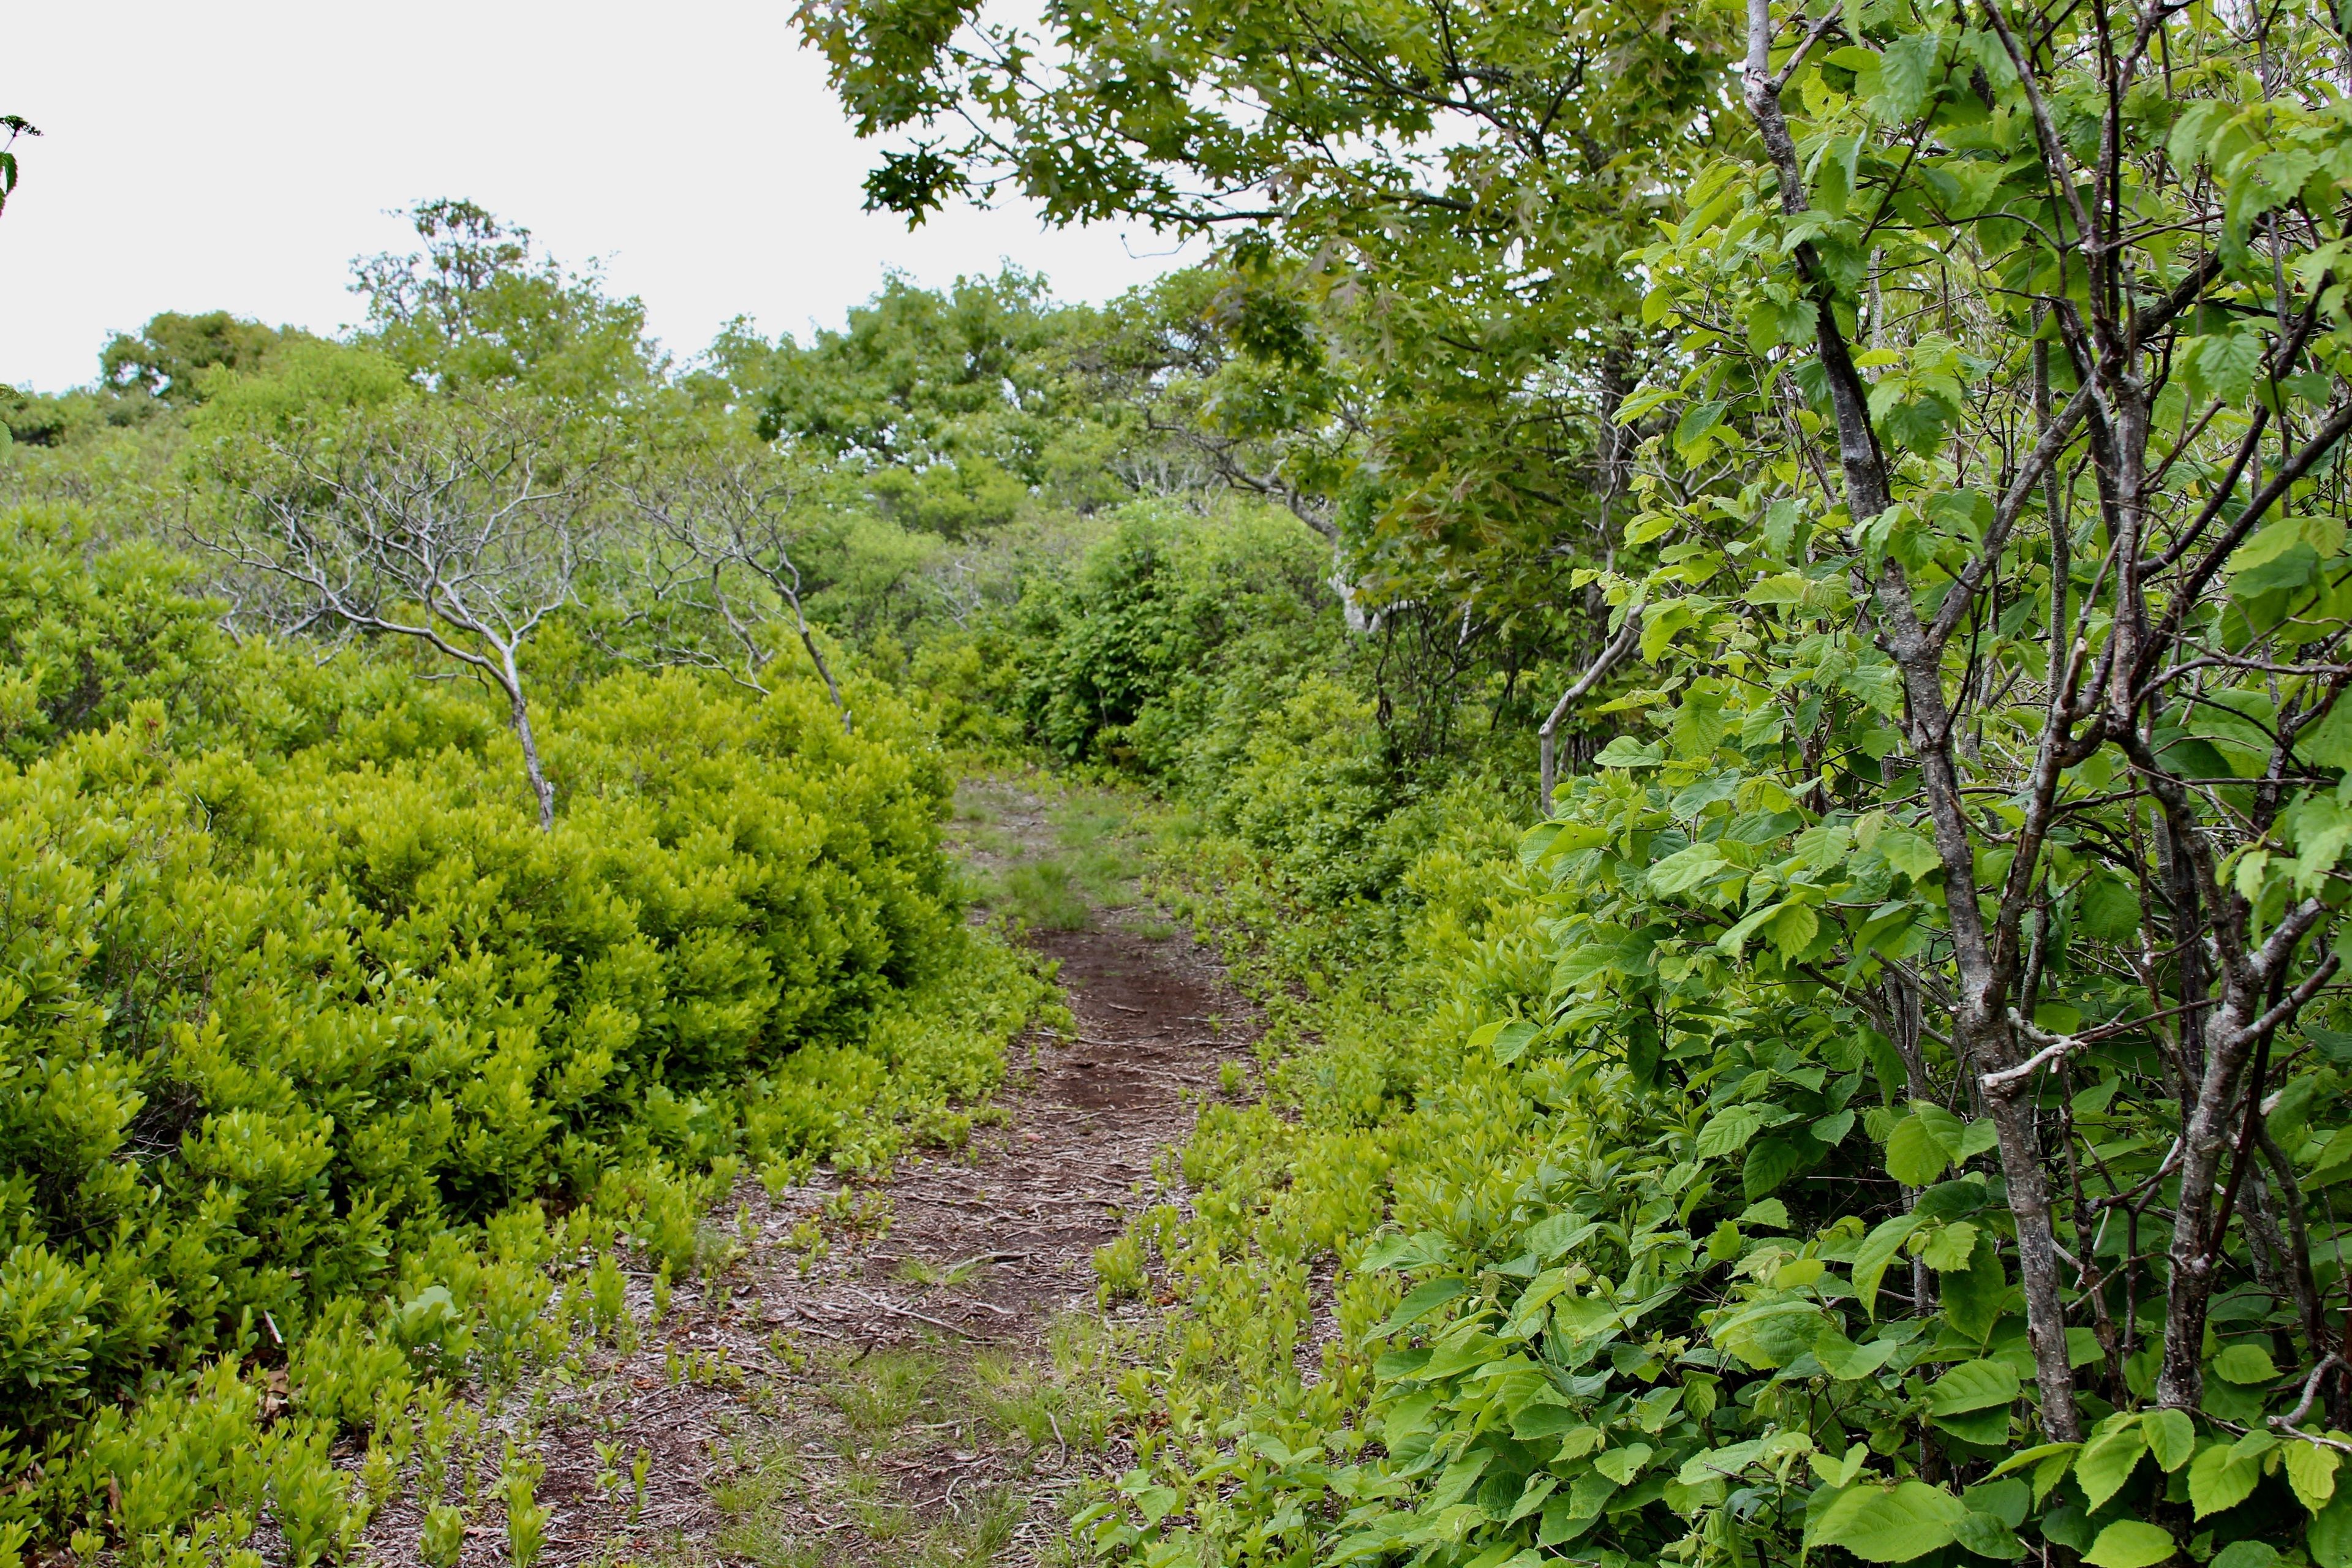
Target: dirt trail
x: 918, y: 1386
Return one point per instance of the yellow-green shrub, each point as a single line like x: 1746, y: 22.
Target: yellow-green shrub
x: 302, y: 1015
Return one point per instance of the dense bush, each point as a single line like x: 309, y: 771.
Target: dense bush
x: 1167, y: 627
x: 298, y: 998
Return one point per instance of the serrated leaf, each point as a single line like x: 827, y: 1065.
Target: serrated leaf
x: 2245, y: 1362
x: 1951, y: 1247
x: 1625, y: 751
x: 1688, y: 868
x: 1619, y: 1464
x: 1910, y: 853
x: 1913, y: 1155
x: 1843, y: 1358
x: 1987, y: 1536
x: 1978, y: 1137
x: 1512, y: 1040
x: 1948, y: 1130
x: 2128, y: 1544
x: 1770, y: 1335
x: 2171, y: 1438
x: 1973, y: 1386
x: 2227, y: 362
x: 2107, y: 1462
x: 1770, y: 1161
x: 1889, y: 1524
x: 1556, y: 1234
x: 2311, y: 1471
x: 1877, y: 1250
x: 2218, y: 1480
x: 1793, y: 928
x: 2245, y: 1555
x: 1907, y: 74
x: 1729, y: 1131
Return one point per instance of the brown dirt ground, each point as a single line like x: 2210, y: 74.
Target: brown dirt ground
x: 865, y: 1401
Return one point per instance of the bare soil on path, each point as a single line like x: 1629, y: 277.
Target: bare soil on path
x: 910, y: 1370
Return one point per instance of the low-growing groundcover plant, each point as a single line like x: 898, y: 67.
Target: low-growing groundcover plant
x: 316, y: 1052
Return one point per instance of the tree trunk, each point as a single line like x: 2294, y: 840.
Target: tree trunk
x: 512, y: 682
x: 808, y: 641
x: 2037, y: 1257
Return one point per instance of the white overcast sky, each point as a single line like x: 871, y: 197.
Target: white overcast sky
x: 210, y: 155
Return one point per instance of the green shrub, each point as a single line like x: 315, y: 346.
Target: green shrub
x: 302, y: 1015
x: 1166, y: 625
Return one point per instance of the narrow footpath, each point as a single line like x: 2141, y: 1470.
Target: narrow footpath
x: 910, y: 1371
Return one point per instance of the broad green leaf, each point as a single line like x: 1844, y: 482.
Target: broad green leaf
x: 2006, y: 1500
x: 1625, y: 751
x: 1772, y: 1335
x: 1974, y: 1297
x: 1842, y: 1359
x: 1948, y: 1130
x: 1907, y: 74
x: 1621, y: 1465
x: 1720, y: 1464
x: 2128, y: 1544
x: 1735, y: 941
x: 2110, y: 908
x: 1419, y: 1302
x: 1770, y: 1163
x: 2245, y: 1555
x: 1532, y: 1499
x: 1688, y: 868
x: 1990, y: 1537
x: 1889, y: 1524
x: 1837, y: 1474
x: 2329, y: 742
x: 2227, y: 362
x: 2329, y: 1533
x: 1978, y: 1137
x: 2311, y: 1471
x: 2245, y: 1362
x: 1792, y: 929
x: 1877, y: 1250
x: 1580, y: 1317
x: 1697, y: 424
x: 2218, y: 1480
x: 2107, y: 1462
x: 2171, y: 1438
x: 1589, y: 1494
x: 1973, y: 1386
x: 1913, y: 1156
x: 1511, y: 1041
x: 1949, y: 1247
x: 1544, y: 1420
x: 1555, y: 1233
x: 1912, y: 854
x: 1729, y: 1131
